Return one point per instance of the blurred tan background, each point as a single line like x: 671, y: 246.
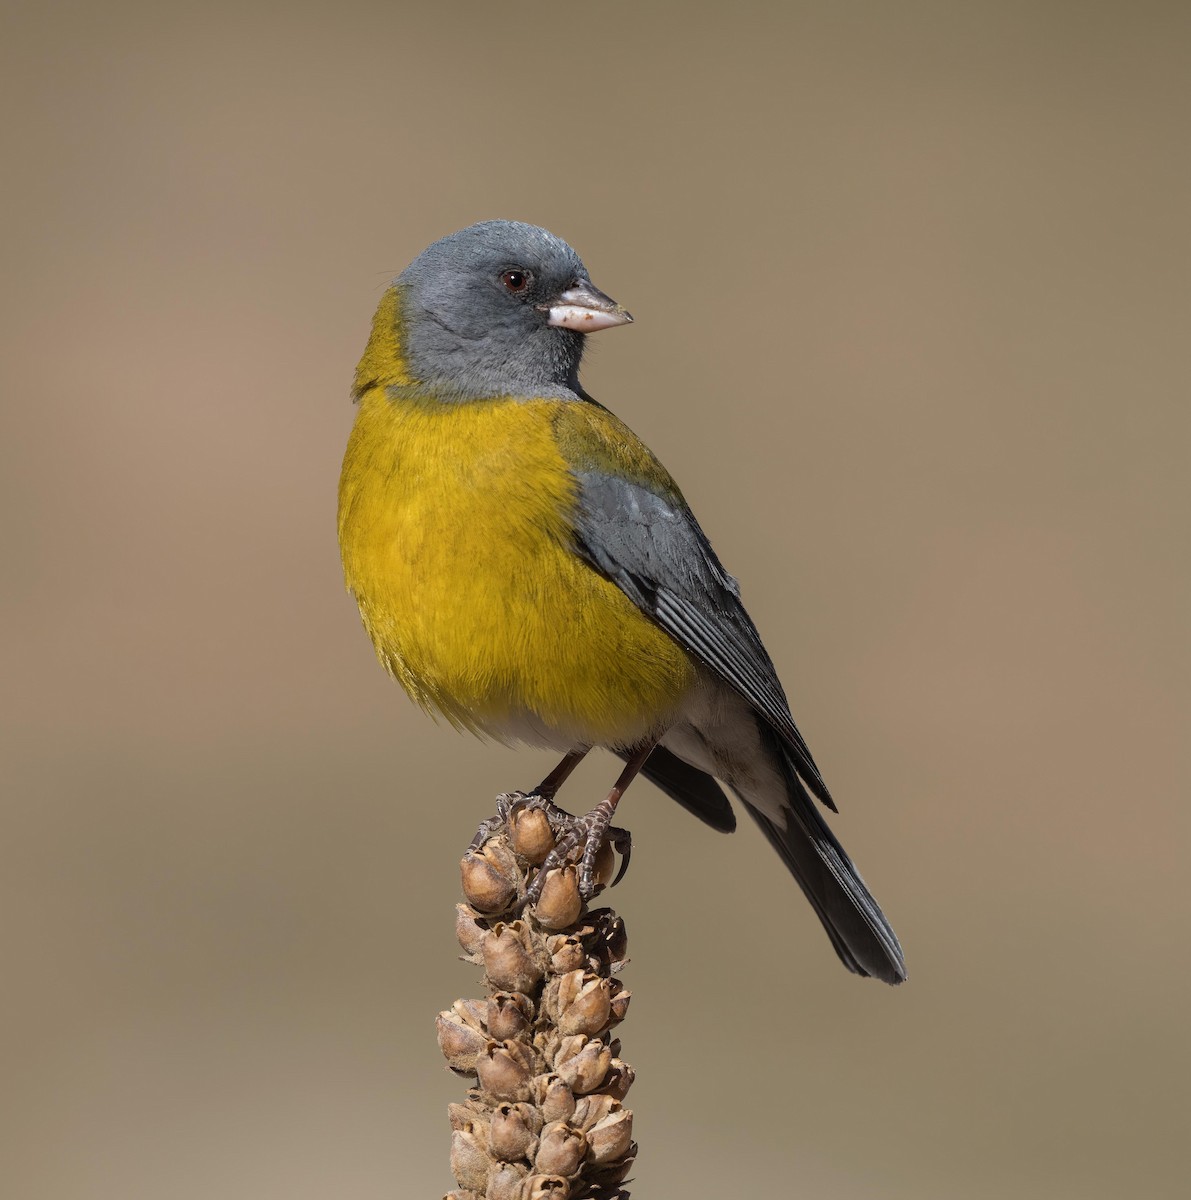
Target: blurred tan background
x: 912, y: 296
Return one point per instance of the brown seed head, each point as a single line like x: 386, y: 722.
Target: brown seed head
x: 509, y: 1014
x: 590, y: 1109
x: 613, y: 937
x: 513, y: 1132
x: 557, y: 1048
x: 566, y: 953
x: 550, y: 1079
x: 604, y: 1178
x: 474, y: 1012
x: 610, y: 1137
x: 553, y: 1097
x: 470, y: 1163
x: 531, y: 834
x: 547, y: 1187
x: 502, y: 1071
x: 568, y: 987
x: 619, y: 1003
x: 469, y: 929
x: 582, y: 1064
x: 605, y: 864
x: 584, y: 1003
x: 460, y: 1115
x: 619, y: 1080
x: 561, y: 1149
x: 507, y: 1182
x: 460, y: 1037
x: 559, y: 904
x: 490, y: 877
x: 509, y: 964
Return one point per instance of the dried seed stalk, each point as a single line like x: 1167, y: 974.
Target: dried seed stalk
x: 545, y: 1119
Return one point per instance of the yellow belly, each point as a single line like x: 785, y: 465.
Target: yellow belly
x: 454, y: 525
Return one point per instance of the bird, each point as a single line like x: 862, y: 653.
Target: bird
x: 528, y: 570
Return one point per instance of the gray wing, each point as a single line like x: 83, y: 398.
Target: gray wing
x: 653, y: 550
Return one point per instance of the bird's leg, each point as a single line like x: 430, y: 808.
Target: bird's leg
x: 591, y: 830
x: 599, y: 824
x: 548, y: 788
x: 541, y: 797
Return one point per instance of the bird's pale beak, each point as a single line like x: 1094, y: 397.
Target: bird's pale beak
x: 585, y: 308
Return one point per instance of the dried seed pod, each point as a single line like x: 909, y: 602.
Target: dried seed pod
x: 559, y: 903
x: 585, y: 1068
x: 470, y: 930
x: 469, y: 1114
x: 618, y: 1003
x: 554, y: 1098
x: 531, y: 834
x: 547, y: 1187
x: 503, y: 1072
x: 610, y: 1137
x: 460, y: 1037
x: 507, y: 1182
x: 565, y: 952
x: 584, y: 1004
x: 606, y: 1177
x: 605, y: 864
x: 490, y: 877
x: 611, y: 936
x: 568, y: 987
x: 509, y: 1014
x: 508, y: 959
x: 513, y: 1132
x: 474, y: 1012
x: 561, y: 1149
x: 619, y: 1079
x: 470, y: 1163
x: 558, y: 1048
x: 590, y: 1109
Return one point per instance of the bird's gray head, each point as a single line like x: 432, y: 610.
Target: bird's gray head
x: 499, y: 308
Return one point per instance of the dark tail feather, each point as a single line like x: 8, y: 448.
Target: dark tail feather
x: 861, y: 935
x: 695, y: 790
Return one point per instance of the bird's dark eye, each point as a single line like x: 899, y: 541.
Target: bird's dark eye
x: 516, y: 281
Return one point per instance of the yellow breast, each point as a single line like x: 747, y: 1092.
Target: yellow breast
x: 455, y: 531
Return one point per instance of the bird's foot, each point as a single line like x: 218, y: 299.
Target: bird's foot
x: 507, y: 803
x: 580, y: 840
x: 491, y: 826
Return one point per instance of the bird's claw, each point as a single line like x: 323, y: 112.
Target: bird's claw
x: 579, y: 843
x: 507, y: 803
x: 491, y: 826
x: 579, y: 839
x: 622, y: 842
